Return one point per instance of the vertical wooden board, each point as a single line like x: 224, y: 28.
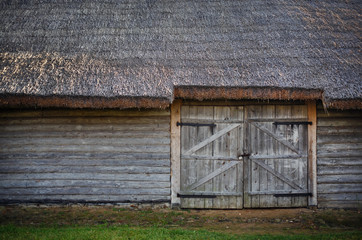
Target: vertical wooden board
x: 312, y: 153
x: 246, y: 162
x: 193, y: 140
x: 221, y: 148
x: 208, y: 166
x: 185, y: 145
x: 268, y: 111
x: 284, y: 111
x: 240, y: 167
x: 299, y: 111
x: 175, y: 152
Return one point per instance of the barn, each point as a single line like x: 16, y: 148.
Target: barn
x: 195, y: 104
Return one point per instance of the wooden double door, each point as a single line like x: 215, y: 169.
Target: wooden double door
x: 252, y: 156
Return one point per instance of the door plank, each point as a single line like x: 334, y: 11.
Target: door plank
x: 271, y: 134
x: 212, y: 175
x: 211, y: 139
x: 278, y: 175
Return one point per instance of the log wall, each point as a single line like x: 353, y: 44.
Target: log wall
x: 339, y: 159
x: 85, y: 156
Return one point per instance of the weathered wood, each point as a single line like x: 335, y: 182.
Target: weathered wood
x: 271, y: 157
x: 312, y: 153
x: 339, y: 188
x: 212, y: 175
x: 89, y: 156
x: 84, y: 127
x: 339, y: 158
x: 277, y: 192
x: 339, y: 204
x: 211, y: 193
x: 333, y: 170
x: 278, y: 175
x: 80, y: 140
x: 83, y: 191
x: 330, y: 139
x: 12, y: 162
x: 175, y: 151
x: 211, y: 139
x: 341, y: 197
x: 343, y: 130
x: 335, y: 162
x: 84, y: 120
x: 85, y: 156
x: 77, y: 198
x: 336, y: 178
x: 11, y: 148
x: 206, y: 157
x: 82, y: 169
x: 212, y: 156
x: 82, y: 183
x: 271, y: 134
x: 82, y: 113
x: 85, y: 176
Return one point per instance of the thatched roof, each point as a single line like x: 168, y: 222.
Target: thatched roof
x: 145, y: 53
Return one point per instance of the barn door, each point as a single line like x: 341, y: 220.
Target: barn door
x: 211, y: 169
x: 276, y: 171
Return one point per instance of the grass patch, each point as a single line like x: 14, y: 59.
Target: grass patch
x: 125, y: 232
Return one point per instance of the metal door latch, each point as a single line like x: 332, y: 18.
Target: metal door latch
x: 243, y: 155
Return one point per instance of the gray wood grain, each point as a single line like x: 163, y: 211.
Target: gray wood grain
x: 86, y: 156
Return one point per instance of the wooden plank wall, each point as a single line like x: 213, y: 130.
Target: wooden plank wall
x: 339, y: 159
x: 85, y: 156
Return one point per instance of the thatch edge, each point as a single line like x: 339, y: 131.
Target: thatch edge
x: 254, y: 93
x: 199, y: 93
x: 344, y: 104
x: 29, y: 101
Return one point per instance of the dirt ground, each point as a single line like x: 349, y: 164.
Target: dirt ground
x: 261, y: 221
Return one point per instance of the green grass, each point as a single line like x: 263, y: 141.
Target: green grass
x: 124, y: 232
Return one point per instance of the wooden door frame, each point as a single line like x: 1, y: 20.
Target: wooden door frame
x: 175, y: 134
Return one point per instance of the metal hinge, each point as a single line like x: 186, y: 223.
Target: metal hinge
x: 195, y: 196
x: 292, y: 123
x: 293, y: 194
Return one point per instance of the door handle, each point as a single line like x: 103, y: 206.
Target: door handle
x: 243, y: 155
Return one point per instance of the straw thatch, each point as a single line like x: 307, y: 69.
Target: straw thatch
x: 116, y: 52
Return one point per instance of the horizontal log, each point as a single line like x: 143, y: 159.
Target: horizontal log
x: 9, y: 148
x: 333, y: 170
x: 84, y: 162
x: 344, y: 113
x: 337, y: 122
x: 343, y: 161
x: 86, y: 134
x: 340, y: 154
x: 83, y: 183
x: 339, y: 179
x: 85, y: 120
x: 83, y: 169
x: 84, y: 127
x: 332, y: 139
x: 83, y: 113
x: 332, y: 147
x: 83, y: 191
x: 339, y: 204
x: 83, y: 198
x: 86, y: 176
x: 340, y: 197
x: 342, y: 130
x: 339, y: 188
x: 90, y: 156
x: 109, y: 141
